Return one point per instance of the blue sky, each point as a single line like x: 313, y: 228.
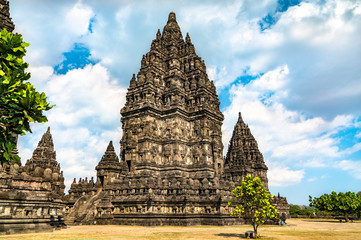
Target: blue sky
x: 291, y: 67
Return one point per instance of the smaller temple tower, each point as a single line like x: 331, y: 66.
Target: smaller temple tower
x: 109, y: 166
x: 243, y: 156
x: 43, y: 164
x: 32, y: 198
x: 5, y: 20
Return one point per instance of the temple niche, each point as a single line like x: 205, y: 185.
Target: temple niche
x: 171, y: 169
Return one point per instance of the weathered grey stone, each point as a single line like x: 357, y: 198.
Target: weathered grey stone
x: 5, y: 20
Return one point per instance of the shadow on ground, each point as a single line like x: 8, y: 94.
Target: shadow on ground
x: 237, y: 235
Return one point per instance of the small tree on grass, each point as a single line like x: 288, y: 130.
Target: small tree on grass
x: 253, y: 203
x: 345, y: 203
x: 20, y: 103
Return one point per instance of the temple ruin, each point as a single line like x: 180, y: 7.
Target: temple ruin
x: 171, y: 169
x: 32, y: 196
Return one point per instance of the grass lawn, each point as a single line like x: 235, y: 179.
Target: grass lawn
x: 295, y: 229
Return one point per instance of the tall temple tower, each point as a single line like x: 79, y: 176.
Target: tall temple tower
x: 5, y: 20
x: 171, y: 119
x: 171, y: 169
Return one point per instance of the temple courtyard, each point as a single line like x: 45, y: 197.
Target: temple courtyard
x: 295, y: 229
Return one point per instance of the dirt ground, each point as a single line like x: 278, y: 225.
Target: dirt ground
x: 295, y: 229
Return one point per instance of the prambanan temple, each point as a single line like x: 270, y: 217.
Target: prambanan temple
x: 171, y: 169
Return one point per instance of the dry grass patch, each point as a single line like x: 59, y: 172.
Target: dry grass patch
x: 298, y: 229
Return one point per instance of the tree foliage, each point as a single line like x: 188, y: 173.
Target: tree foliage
x: 20, y: 103
x: 347, y: 204
x: 253, y: 203
x: 297, y: 210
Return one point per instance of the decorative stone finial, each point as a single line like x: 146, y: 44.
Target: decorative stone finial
x: 46, y: 140
x: 133, y: 81
x: 171, y: 31
x: 158, y: 34
x: 240, y: 117
x: 110, y: 147
x: 188, y: 38
x: 171, y: 17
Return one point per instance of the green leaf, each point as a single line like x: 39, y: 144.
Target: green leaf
x: 20, y: 102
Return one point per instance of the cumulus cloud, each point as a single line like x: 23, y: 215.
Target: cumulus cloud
x: 77, y: 19
x: 283, y: 176
x: 288, y: 138
x: 85, y: 119
x: 51, y: 28
x: 353, y: 167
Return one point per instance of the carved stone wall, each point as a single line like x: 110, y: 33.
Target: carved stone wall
x: 5, y: 20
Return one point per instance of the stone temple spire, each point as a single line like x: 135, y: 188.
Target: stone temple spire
x: 47, y: 140
x: 44, y: 154
x: 43, y: 164
x: 109, y: 157
x: 109, y: 166
x: 243, y: 156
x: 171, y: 115
x: 171, y: 30
x: 5, y: 20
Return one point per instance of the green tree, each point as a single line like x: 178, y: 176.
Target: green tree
x: 20, y: 103
x: 253, y: 203
x: 297, y: 210
x: 358, y: 210
x: 345, y: 203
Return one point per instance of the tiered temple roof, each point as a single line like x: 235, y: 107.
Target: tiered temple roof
x: 109, y: 166
x: 110, y: 160
x: 171, y: 116
x: 43, y: 163
x: 243, y: 156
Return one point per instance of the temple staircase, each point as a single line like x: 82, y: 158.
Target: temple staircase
x: 84, y: 210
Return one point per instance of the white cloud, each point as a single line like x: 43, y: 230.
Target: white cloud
x: 286, y: 137
x: 283, y: 176
x: 354, y: 148
x: 51, y: 28
x: 272, y: 80
x: 78, y: 18
x: 312, y: 179
x: 40, y: 73
x: 86, y: 117
x: 353, y: 167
